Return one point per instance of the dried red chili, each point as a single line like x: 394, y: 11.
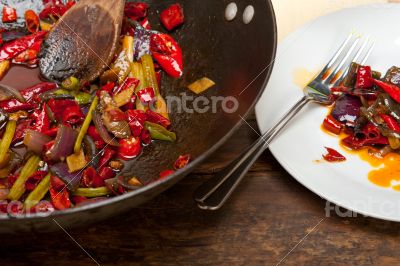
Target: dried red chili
x: 136, y: 119
x: 14, y: 48
x: 167, y: 53
x: 166, y: 173
x: 34, y: 180
x: 390, y: 89
x: 108, y: 155
x: 333, y: 156
x: 332, y: 125
x: 182, y: 161
x: 136, y: 11
x: 172, y: 17
x: 9, y: 14
x: 60, y: 199
x: 146, y: 96
x: 41, y: 119
x: 32, y: 21
x: 390, y: 122
x: 157, y: 119
x: 72, y: 115
x: 364, y: 78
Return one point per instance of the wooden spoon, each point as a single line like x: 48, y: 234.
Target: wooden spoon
x: 83, y: 42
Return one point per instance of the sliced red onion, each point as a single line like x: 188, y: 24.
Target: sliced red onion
x: 141, y: 41
x: 347, y: 109
x: 71, y: 180
x: 102, y: 130
x: 13, y: 92
x: 64, y: 144
x: 35, y: 141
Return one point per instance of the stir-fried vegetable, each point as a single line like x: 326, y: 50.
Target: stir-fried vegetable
x: 72, y: 142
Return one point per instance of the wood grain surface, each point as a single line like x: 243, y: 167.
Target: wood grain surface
x: 271, y: 219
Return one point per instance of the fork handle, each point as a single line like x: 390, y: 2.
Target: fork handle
x: 213, y: 193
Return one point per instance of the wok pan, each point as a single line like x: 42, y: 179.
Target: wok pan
x: 233, y: 55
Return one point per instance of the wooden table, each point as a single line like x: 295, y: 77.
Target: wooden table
x: 270, y: 220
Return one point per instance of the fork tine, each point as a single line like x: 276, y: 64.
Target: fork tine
x: 368, y: 53
x: 335, y: 57
x: 343, y: 64
x: 356, y: 60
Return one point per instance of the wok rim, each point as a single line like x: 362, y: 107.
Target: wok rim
x: 182, y: 173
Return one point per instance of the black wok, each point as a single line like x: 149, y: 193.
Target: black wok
x: 232, y: 54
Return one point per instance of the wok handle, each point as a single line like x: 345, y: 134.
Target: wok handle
x: 213, y: 193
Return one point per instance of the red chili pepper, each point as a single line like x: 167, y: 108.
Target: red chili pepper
x: 172, y: 17
x: 30, y: 55
x: 48, y: 146
x: 32, y: 21
x: 51, y: 132
x: 146, y: 95
x: 136, y: 120
x: 89, y: 174
x: 129, y: 148
x: 60, y: 199
x: 390, y: 122
x: 332, y: 125
x: 72, y: 115
x: 145, y: 137
x: 167, y: 53
x: 98, y: 141
x: 34, y: 180
x: 156, y: 118
x: 136, y: 11
x: 333, y: 156
x: 129, y: 82
x: 108, y: 155
x: 59, y: 106
x: 166, y: 173
x: 78, y: 199
x: 107, y: 88
x: 9, y: 14
x: 41, y: 119
x: 364, y: 78
x: 30, y: 94
x: 106, y: 173
x: 14, y: 48
x: 390, y: 89
x: 55, y: 9
x: 182, y: 161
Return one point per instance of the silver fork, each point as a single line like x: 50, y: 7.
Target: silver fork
x: 213, y: 193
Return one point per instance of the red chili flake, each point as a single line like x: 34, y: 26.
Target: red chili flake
x: 108, y: 155
x: 89, y: 175
x: 98, y: 141
x: 182, y: 161
x: 136, y: 120
x: 156, y: 118
x: 60, y: 199
x: 172, y: 17
x: 146, y: 95
x: 333, y: 156
x: 9, y: 14
x: 166, y: 173
x: 72, y: 115
x: 32, y: 21
x: 34, y: 180
x: 106, y: 173
x: 56, y: 183
x: 145, y: 137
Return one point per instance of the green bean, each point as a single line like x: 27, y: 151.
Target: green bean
x: 38, y: 193
x: 86, y: 125
x: 137, y: 72
x: 18, y: 189
x: 92, y: 192
x: 149, y: 73
x: 159, y: 132
x: 7, y: 139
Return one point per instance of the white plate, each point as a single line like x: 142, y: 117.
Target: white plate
x: 345, y: 184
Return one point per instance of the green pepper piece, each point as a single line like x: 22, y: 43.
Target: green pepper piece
x: 86, y: 125
x: 71, y: 84
x: 92, y: 192
x: 38, y: 193
x: 159, y: 132
x: 18, y: 189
